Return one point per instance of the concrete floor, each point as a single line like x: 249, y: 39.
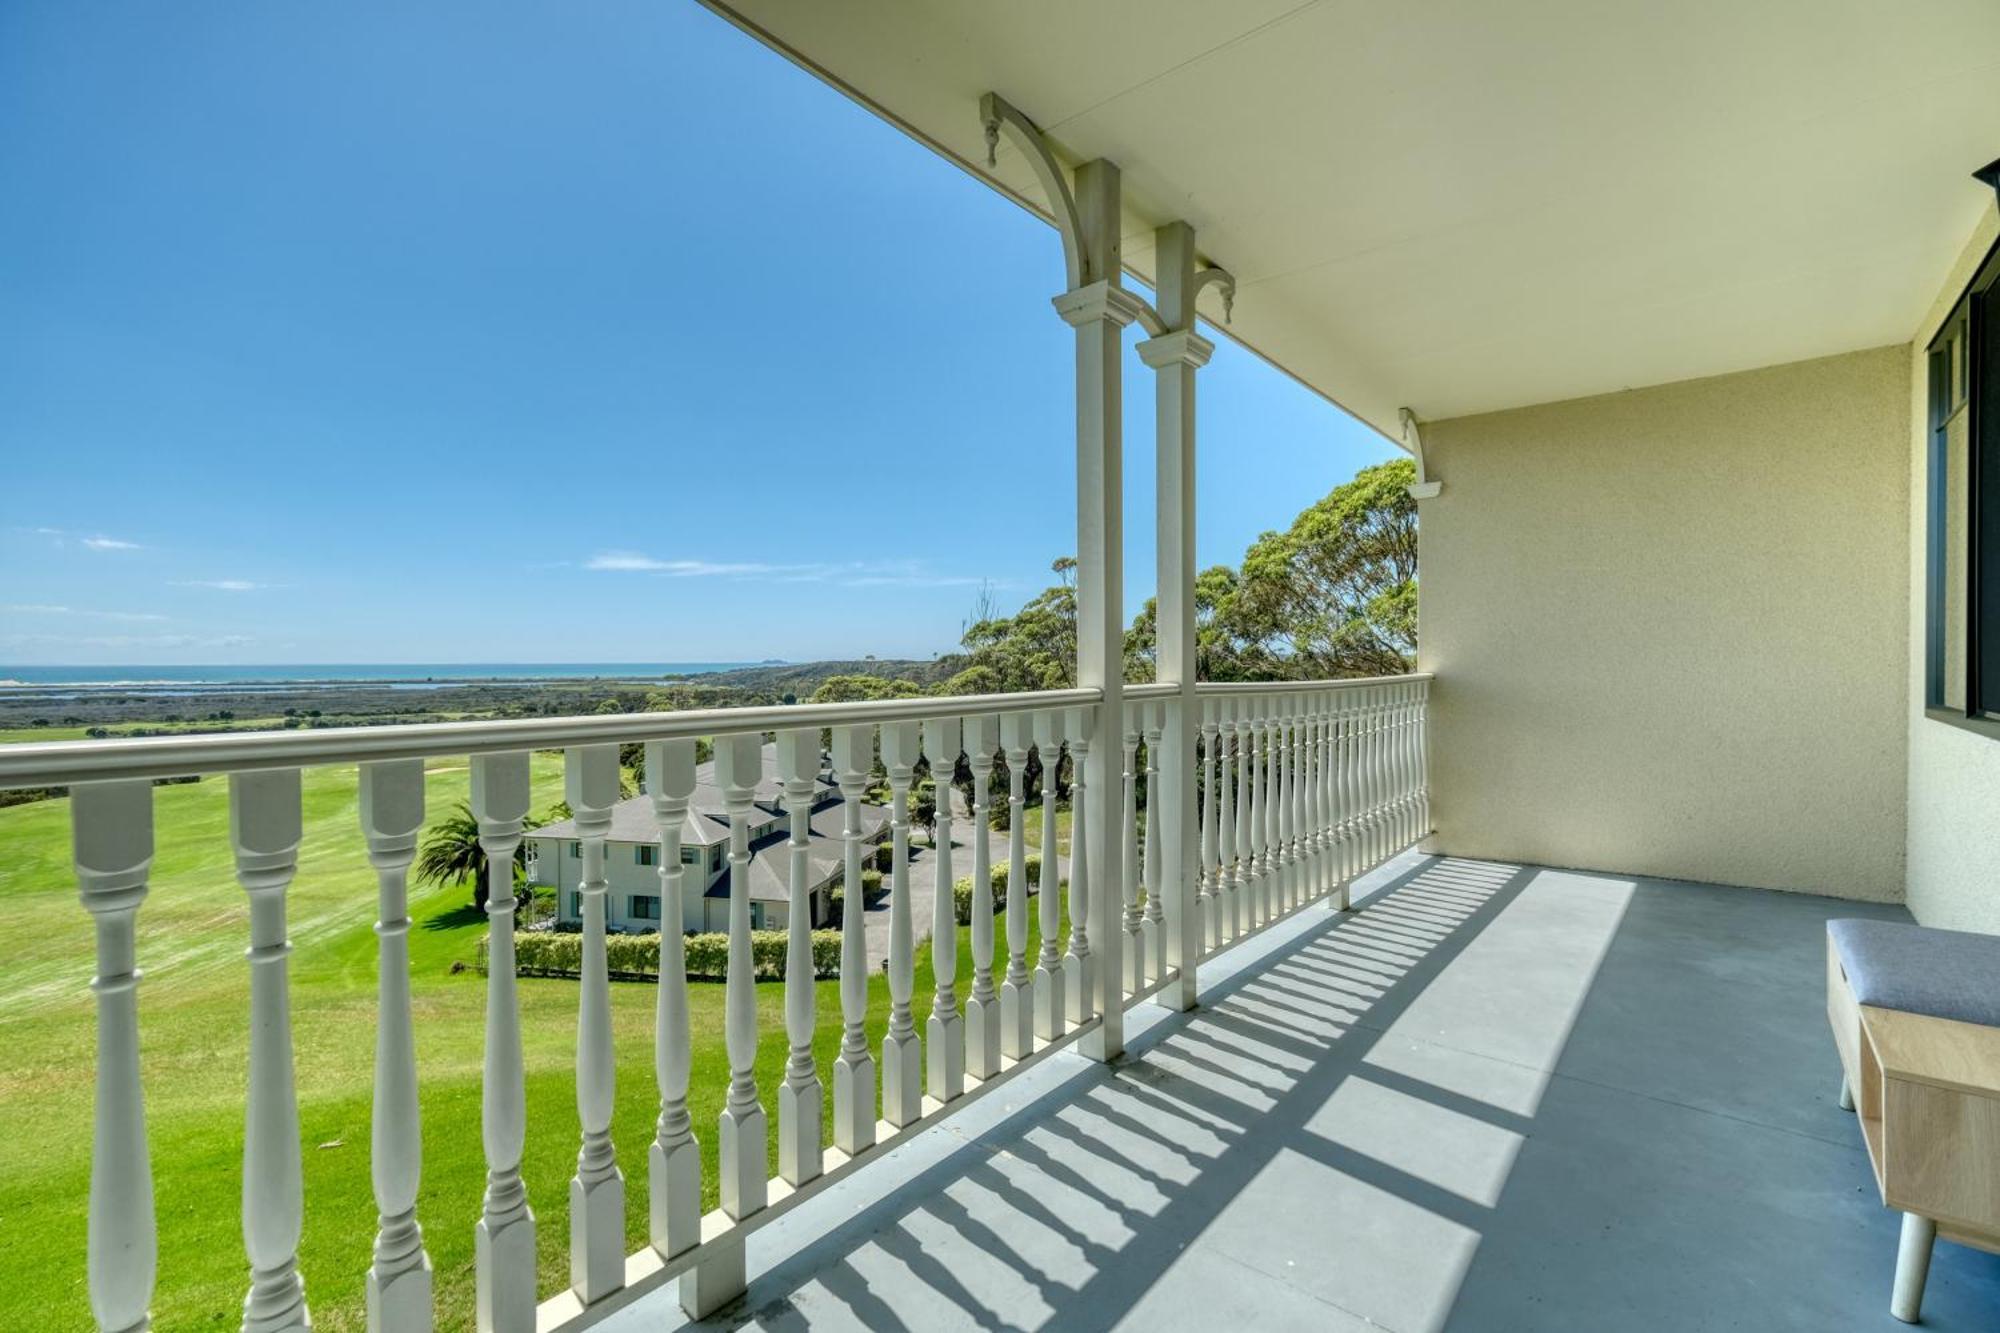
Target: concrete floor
x: 1495, y: 1098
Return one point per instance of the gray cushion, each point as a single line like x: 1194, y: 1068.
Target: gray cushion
x: 1920, y: 969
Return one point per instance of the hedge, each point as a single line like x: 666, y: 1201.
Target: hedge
x: 961, y: 889
x: 547, y: 954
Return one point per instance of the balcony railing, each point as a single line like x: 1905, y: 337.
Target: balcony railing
x: 1298, y: 788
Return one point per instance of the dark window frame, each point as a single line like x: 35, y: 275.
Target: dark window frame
x: 1963, y: 361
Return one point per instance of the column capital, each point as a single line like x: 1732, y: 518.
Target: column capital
x: 1099, y: 301
x: 1185, y: 347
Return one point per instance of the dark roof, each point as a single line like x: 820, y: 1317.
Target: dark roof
x: 771, y: 858
x: 707, y: 821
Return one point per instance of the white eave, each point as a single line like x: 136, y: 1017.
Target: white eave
x: 1464, y: 206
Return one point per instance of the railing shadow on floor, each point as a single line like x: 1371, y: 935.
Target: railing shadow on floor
x: 1064, y: 1210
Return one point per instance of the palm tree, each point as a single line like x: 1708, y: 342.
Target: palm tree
x: 451, y: 851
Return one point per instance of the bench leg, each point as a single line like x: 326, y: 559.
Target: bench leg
x: 1913, y: 1265
x: 1846, y: 1094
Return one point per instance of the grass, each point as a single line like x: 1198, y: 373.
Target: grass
x: 194, y: 1021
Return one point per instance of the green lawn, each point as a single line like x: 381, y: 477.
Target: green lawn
x: 194, y: 1033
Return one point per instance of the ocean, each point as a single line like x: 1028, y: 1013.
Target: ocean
x: 407, y: 675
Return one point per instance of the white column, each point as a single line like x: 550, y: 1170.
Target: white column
x: 902, y: 1047
x: 264, y: 828
x: 799, y: 1156
x: 1079, y: 964
x: 1048, y: 983
x: 854, y: 1067
x: 399, y: 1280
x: 674, y: 1161
x: 1211, y: 814
x: 1153, y: 925
x: 597, y: 1190
x: 1098, y: 309
x: 1229, y: 793
x: 504, y: 1239
x: 1132, y: 922
x: 945, y: 1069
x: 1017, y: 1001
x: 743, y: 1131
x: 982, y: 1007
x: 111, y: 825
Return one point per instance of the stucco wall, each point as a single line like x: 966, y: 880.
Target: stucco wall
x: 1670, y: 628
x: 1954, y: 775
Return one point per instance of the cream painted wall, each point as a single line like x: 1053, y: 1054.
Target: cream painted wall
x: 1954, y: 775
x: 1670, y: 629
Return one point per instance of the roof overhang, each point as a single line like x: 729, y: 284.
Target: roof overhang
x: 1462, y: 207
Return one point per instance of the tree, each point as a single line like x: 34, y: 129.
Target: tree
x: 451, y: 851
x: 849, y: 689
x: 1219, y: 652
x: 1033, y: 649
x: 1336, y: 594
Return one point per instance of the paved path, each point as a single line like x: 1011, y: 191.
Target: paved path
x: 923, y: 883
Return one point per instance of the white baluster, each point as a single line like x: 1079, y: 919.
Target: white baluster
x: 1153, y: 924
x: 597, y: 1190
x: 799, y: 1156
x: 1371, y: 771
x: 1251, y: 734
x: 1229, y: 865
x: 1274, y: 803
x: 1287, y: 785
x: 1344, y: 787
x: 674, y: 1162
x: 1079, y: 964
x: 1307, y: 839
x: 743, y: 1131
x: 982, y: 1007
x: 902, y: 1047
x: 1017, y: 1001
x: 112, y: 840
x: 1400, y: 821
x: 264, y: 828
x: 399, y: 1280
x: 1424, y: 826
x: 854, y: 1067
x: 1327, y: 875
x: 1211, y: 813
x: 945, y: 1067
x: 1133, y: 871
x: 504, y: 1239
x: 1412, y: 745
x: 1049, y: 1012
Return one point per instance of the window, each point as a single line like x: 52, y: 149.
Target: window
x: 643, y: 907
x: 1962, y: 592
x: 575, y: 851
x: 690, y: 856
x: 645, y: 854
x: 576, y: 906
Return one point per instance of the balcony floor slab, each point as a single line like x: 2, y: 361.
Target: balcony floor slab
x: 1495, y: 1097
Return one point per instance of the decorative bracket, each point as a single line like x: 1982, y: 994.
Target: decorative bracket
x: 1001, y: 117
x: 1413, y: 440
x: 1223, y: 278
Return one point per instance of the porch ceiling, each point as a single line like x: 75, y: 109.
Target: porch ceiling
x: 1461, y: 207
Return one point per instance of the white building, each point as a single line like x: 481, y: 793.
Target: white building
x: 631, y: 862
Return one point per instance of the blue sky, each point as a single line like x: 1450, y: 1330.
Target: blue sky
x: 479, y: 332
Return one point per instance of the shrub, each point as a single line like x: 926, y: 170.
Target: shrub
x: 885, y: 858
x: 552, y: 954
x: 961, y: 889
x: 871, y: 882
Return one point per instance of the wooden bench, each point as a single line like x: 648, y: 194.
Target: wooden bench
x: 1924, y: 1081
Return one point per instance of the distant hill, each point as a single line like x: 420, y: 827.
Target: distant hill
x: 802, y: 678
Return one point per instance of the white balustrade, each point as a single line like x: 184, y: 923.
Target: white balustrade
x: 112, y: 841
x: 674, y: 1161
x: 742, y: 1136
x: 1079, y: 964
x: 982, y: 1007
x: 1301, y: 788
x: 943, y: 739
x: 902, y: 1047
x: 854, y: 1067
x: 1153, y: 923
x: 799, y: 1156
x: 1050, y: 1017
x: 1017, y: 1005
x: 391, y: 802
x: 504, y: 1239
x: 1211, y: 834
x: 265, y: 828
x: 1133, y: 872
x: 597, y: 1190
